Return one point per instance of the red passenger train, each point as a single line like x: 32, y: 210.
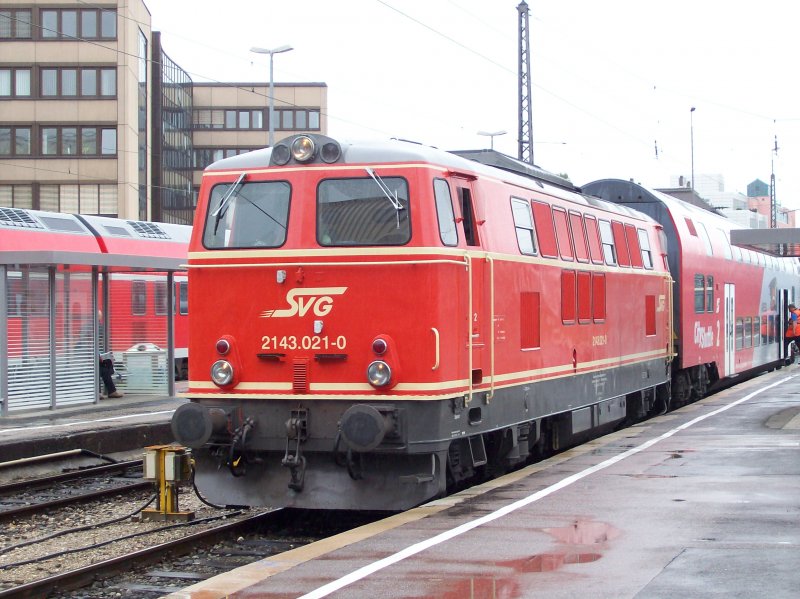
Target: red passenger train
x: 50, y: 296
x: 375, y: 324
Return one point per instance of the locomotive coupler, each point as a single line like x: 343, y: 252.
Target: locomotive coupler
x: 296, y: 433
x: 236, y: 457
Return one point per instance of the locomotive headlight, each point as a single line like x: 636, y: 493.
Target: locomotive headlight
x: 303, y: 148
x: 379, y: 373
x: 222, y: 372
x: 281, y: 154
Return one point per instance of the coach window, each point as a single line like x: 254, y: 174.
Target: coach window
x: 699, y: 293
x: 545, y: 232
x: 593, y: 234
x: 578, y: 237
x: 756, y: 333
x: 523, y: 224
x: 183, y: 298
x: 703, y: 233
x: 644, y: 245
x: 563, y: 236
x: 160, y: 298
x: 607, y: 239
x: 252, y: 215
x: 138, y: 298
x: 709, y: 293
x: 444, y: 212
x: 358, y: 212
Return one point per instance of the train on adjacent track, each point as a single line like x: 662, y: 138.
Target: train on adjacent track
x: 42, y: 314
x: 376, y: 324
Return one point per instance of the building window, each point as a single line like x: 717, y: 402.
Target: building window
x: 75, y: 24
x: 15, y: 141
x: 79, y: 199
x: 15, y: 83
x: 74, y: 141
x: 63, y: 82
x: 17, y: 196
x: 15, y: 23
x: 294, y: 119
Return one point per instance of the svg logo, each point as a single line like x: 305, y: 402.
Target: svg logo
x: 302, y: 301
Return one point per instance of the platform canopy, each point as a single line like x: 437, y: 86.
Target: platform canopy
x: 776, y: 242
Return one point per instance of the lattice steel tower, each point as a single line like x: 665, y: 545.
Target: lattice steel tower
x: 524, y: 137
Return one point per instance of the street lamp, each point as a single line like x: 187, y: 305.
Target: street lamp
x: 691, y: 133
x: 491, y: 135
x: 272, y: 51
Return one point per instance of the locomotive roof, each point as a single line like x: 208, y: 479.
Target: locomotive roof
x: 488, y: 163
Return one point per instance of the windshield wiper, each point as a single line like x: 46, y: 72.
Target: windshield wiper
x: 387, y: 192
x: 223, y: 203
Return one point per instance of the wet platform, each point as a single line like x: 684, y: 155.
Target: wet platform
x: 106, y: 427
x: 701, y: 502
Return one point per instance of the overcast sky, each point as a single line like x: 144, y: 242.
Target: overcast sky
x: 612, y: 81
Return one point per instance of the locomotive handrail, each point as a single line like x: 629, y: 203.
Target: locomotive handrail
x: 436, y: 346
x: 491, y: 329
x: 342, y: 263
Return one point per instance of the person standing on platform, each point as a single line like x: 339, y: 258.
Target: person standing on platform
x: 106, y: 374
x: 792, y: 332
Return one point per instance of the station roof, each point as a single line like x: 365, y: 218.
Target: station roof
x: 776, y: 242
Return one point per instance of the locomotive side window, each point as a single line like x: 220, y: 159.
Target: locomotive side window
x: 623, y: 257
x: 650, y: 315
x: 523, y: 223
x: 247, y: 215
x: 468, y: 216
x: 138, y: 298
x: 633, y: 246
x: 563, y: 234
x: 352, y: 212
x: 593, y: 233
x: 584, y: 297
x: 607, y: 239
x: 545, y: 233
x: 444, y: 212
x: 644, y: 245
x: 529, y: 329
x: 598, y: 297
x: 578, y: 236
x: 568, y: 288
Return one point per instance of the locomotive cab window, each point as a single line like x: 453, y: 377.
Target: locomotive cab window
x: 247, y: 215
x: 354, y: 212
x: 444, y: 212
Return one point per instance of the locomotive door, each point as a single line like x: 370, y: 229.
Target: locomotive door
x: 730, y: 329
x: 478, y: 270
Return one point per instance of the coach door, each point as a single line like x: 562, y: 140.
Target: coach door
x: 478, y: 272
x: 730, y: 329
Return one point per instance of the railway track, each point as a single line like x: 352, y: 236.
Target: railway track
x: 162, y: 568
x: 42, y: 494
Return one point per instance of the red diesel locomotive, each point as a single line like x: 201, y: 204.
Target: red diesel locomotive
x: 374, y: 324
